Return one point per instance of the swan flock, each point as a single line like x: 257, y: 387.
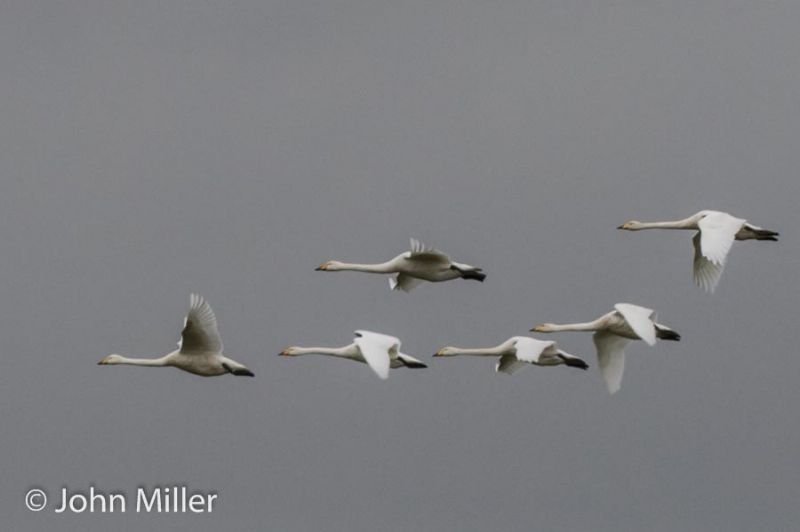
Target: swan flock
x: 200, y: 347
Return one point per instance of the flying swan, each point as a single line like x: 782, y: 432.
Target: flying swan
x: 199, y: 349
x: 716, y: 233
x: 519, y: 352
x: 379, y: 351
x: 613, y: 331
x: 422, y: 263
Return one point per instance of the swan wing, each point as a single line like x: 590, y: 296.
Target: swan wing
x: 377, y: 350
x: 610, y: 358
x: 200, y: 334
x: 530, y: 349
x: 404, y: 282
x: 640, y: 319
x: 706, y: 273
x: 526, y: 351
x: 509, y: 364
x: 422, y: 252
x: 717, y: 232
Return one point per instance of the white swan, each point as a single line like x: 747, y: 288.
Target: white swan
x: 613, y: 331
x: 518, y: 352
x: 422, y: 263
x: 199, y: 349
x: 379, y: 351
x: 716, y: 233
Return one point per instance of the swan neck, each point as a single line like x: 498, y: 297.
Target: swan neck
x: 588, y: 326
x: 688, y: 223
x: 476, y: 352
x: 329, y: 351
x: 150, y: 362
x: 383, y: 267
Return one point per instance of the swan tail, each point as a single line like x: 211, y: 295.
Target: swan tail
x: 751, y: 232
x: 239, y: 371
x: 574, y: 362
x: 411, y: 362
x: 667, y: 334
x: 469, y: 273
x: 763, y: 234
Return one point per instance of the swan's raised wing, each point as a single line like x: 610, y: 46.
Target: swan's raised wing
x: 530, y: 349
x: 527, y: 351
x: 640, y: 320
x: 706, y: 274
x: 610, y: 358
x: 717, y: 232
x: 404, y: 282
x: 421, y: 252
x: 200, y: 334
x: 377, y: 350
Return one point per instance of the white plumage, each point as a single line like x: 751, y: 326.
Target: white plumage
x: 379, y: 351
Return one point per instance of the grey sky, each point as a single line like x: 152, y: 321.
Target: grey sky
x: 155, y: 148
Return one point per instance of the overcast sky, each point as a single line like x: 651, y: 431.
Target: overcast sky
x: 154, y: 148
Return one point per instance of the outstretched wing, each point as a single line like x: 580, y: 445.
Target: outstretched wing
x: 421, y: 252
x: 640, y: 320
x: 706, y: 273
x: 530, y: 349
x: 610, y: 358
x: 404, y: 282
x: 200, y: 334
x: 376, y: 349
x: 527, y: 351
x: 717, y: 232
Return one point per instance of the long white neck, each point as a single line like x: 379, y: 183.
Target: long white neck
x: 152, y: 362
x: 328, y: 351
x: 475, y: 352
x: 588, y: 326
x: 383, y: 267
x: 686, y: 223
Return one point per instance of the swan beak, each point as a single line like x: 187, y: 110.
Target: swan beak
x: 537, y: 328
x: 321, y: 267
x: 438, y: 353
x: 102, y: 362
x: 621, y: 226
x: 284, y: 353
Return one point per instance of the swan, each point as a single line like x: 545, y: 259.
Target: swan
x: 379, y: 351
x: 422, y: 263
x: 199, y: 349
x: 716, y: 233
x: 518, y: 352
x: 613, y: 331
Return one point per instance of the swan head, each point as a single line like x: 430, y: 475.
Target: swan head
x: 289, y: 352
x: 446, y: 352
x: 632, y: 225
x: 544, y: 328
x: 330, y: 266
x: 110, y: 360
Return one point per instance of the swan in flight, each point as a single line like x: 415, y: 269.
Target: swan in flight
x: 715, y: 236
x: 613, y: 331
x: 199, y: 349
x: 422, y: 263
x: 518, y: 352
x: 379, y: 351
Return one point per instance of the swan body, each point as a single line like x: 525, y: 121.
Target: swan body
x: 612, y: 332
x: 199, y: 349
x: 421, y: 263
x: 716, y: 232
x: 379, y: 351
x: 519, y: 352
